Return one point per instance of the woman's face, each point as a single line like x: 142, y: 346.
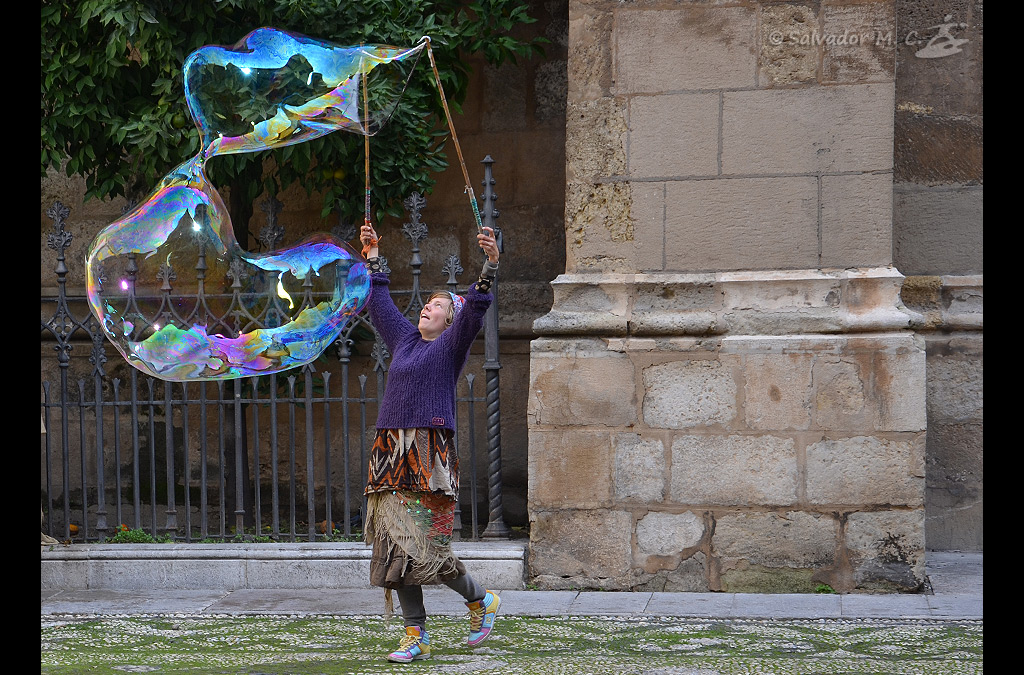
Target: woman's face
x: 434, y: 317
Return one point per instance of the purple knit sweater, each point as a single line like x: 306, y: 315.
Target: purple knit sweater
x: 423, y: 375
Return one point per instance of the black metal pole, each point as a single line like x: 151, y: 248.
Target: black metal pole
x: 496, y: 527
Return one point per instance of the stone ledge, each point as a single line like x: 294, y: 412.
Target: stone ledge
x: 239, y: 566
x: 770, y: 302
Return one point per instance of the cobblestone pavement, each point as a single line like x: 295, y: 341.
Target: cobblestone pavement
x: 566, y: 645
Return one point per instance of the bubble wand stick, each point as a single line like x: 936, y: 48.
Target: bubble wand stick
x: 455, y: 138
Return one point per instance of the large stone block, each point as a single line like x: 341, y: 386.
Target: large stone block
x: 641, y: 469
x: 673, y: 135
x: 808, y: 131
x: 585, y: 304
x: 690, y: 48
x: 956, y: 386
x: 668, y: 533
x: 777, y: 391
x: 773, y: 552
x: 742, y: 223
x: 787, y: 54
x: 600, y: 228
x: 858, y: 42
x: 866, y: 471
x: 954, y: 497
x: 734, y: 470
x: 952, y: 84
x: 856, y: 220
x: 938, y: 230
x: 595, y: 137
x: 690, y: 393
x: 570, y: 469
x: 675, y: 304
x: 558, y: 381
x: 647, y: 210
x: 689, y: 576
x: 590, y: 59
x: 875, y: 384
x: 886, y: 549
x: 935, y: 150
x: 577, y: 543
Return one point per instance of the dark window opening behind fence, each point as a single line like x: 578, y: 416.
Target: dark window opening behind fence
x: 279, y: 456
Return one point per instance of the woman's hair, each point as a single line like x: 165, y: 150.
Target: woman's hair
x: 444, y: 295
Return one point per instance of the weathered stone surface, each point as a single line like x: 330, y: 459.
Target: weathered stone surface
x: 956, y: 458
x: 808, y: 130
x: 549, y: 90
x: 733, y: 470
x: 690, y: 576
x: 668, y: 533
x: 746, y: 578
x: 954, y: 497
x: 871, y: 386
x: 673, y: 135
x: 600, y: 228
x: 938, y: 230
x: 956, y: 391
x: 595, y: 137
x: 865, y: 470
x: 886, y: 549
x: 786, y: 57
x: 570, y: 469
x: 856, y: 220
x: 760, y: 303
x: 640, y: 468
x: 898, y: 379
x: 691, y: 393
x: 647, y: 210
x: 582, y: 388
x: 590, y: 59
x: 586, y: 304
x: 689, y: 48
x: 863, y: 49
x: 793, y: 539
x: 938, y: 150
x: 742, y: 223
x: 952, y: 84
x: 581, y: 543
x: 951, y: 303
x: 777, y: 391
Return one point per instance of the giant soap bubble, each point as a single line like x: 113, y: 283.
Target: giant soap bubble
x: 170, y: 285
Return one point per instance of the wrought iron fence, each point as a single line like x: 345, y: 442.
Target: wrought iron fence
x: 273, y: 456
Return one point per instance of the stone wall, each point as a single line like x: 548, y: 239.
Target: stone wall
x: 938, y: 243
x: 727, y: 394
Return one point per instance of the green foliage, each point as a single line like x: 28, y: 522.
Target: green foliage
x: 824, y: 588
x: 136, y: 536
x: 113, y: 106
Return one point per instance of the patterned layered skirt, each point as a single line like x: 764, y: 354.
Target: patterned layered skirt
x: 412, y: 488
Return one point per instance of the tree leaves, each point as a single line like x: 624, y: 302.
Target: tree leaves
x: 113, y: 97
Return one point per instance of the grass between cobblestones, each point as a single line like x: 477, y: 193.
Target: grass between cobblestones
x: 334, y: 645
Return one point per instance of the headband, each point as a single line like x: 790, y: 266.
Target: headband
x: 457, y: 302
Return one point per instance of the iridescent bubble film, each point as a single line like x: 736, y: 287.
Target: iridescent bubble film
x: 172, y: 288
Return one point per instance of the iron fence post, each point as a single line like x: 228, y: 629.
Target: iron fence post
x: 496, y: 527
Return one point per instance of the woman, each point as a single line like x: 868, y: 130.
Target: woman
x: 413, y: 482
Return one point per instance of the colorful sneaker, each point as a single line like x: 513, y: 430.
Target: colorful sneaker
x: 481, y: 617
x: 413, y: 647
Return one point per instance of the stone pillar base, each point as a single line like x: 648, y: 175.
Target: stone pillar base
x: 736, y: 462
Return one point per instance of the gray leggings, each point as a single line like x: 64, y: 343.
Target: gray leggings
x: 411, y: 598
